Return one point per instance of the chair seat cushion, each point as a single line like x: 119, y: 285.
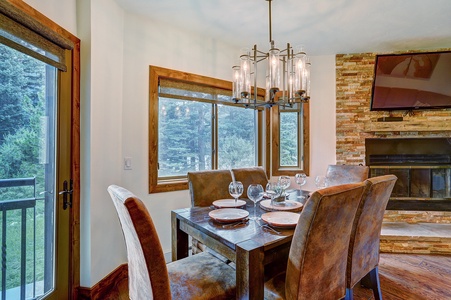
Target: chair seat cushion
x: 275, y: 287
x: 201, y: 276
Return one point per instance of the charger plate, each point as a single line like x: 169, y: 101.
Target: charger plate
x: 228, y: 203
x: 289, y: 205
x: 228, y: 215
x: 281, y: 219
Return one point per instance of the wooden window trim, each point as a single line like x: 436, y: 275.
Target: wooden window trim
x: 155, y: 73
x: 278, y: 170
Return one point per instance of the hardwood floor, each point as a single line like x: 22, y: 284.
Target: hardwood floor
x: 413, y: 277
x: 403, y: 277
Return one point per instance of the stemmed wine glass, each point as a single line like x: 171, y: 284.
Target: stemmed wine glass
x: 284, y: 182
x: 273, y: 190
x: 236, y: 190
x: 255, y: 194
x: 321, y: 181
x: 300, y: 179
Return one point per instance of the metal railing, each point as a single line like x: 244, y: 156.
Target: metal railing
x: 19, y: 206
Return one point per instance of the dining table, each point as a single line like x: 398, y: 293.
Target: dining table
x: 257, y: 250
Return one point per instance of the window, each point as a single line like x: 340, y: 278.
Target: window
x: 194, y: 125
x: 290, y: 144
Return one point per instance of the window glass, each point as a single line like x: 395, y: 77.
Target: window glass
x: 236, y: 137
x: 289, y: 139
x: 184, y: 137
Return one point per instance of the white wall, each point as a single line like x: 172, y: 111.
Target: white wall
x: 117, y: 49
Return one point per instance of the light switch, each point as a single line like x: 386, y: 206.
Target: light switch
x: 127, y: 163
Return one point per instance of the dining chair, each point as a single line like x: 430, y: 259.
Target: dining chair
x: 341, y: 174
x: 317, y: 259
x: 209, y: 185
x: 363, y: 257
x: 200, y: 276
x: 250, y: 176
x: 204, y: 188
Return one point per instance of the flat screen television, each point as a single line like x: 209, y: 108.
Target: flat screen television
x: 412, y: 81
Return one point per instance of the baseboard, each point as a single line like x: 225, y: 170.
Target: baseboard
x: 107, y: 288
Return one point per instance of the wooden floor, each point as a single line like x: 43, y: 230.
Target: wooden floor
x: 403, y: 277
x: 413, y: 277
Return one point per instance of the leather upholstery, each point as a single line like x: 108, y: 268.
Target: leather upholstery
x: 317, y: 260
x: 207, y: 186
x: 249, y: 176
x: 365, y: 237
x: 342, y: 174
x: 196, y: 277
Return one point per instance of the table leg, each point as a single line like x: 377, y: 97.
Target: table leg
x: 249, y: 271
x: 179, y: 239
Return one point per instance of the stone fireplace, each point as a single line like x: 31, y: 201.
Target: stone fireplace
x: 423, y: 168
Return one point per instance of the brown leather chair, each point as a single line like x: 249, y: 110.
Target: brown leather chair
x: 196, y: 277
x: 207, y: 186
x: 341, y: 174
x: 204, y: 188
x: 363, y: 257
x: 318, y: 254
x: 249, y: 176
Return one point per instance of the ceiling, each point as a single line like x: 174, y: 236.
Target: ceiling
x: 323, y: 27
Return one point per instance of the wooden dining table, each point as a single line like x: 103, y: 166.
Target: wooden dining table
x: 258, y: 252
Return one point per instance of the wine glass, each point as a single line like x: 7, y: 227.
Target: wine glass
x: 273, y: 190
x: 255, y: 194
x: 300, y: 179
x: 236, y: 190
x: 320, y: 181
x: 284, y: 182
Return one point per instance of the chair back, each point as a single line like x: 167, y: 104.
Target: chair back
x: 365, y: 236
x: 317, y: 261
x: 249, y: 176
x: 342, y: 174
x: 207, y: 186
x: 148, y: 275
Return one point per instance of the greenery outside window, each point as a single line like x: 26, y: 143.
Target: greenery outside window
x: 290, y: 139
x: 194, y: 125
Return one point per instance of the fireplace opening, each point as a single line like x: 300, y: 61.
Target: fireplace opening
x: 423, y: 168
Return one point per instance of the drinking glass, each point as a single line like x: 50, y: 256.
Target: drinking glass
x: 284, y: 182
x: 300, y: 179
x: 273, y: 190
x: 255, y: 194
x: 320, y: 181
x: 236, y: 189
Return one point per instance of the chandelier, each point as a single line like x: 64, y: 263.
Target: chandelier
x: 287, y: 75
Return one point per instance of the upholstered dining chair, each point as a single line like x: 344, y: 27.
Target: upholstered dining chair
x: 209, y: 185
x: 204, y: 188
x: 200, y: 276
x: 341, y: 174
x: 317, y: 259
x: 250, y: 176
x: 363, y: 257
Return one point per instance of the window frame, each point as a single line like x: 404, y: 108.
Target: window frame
x: 157, y: 185
x: 276, y: 168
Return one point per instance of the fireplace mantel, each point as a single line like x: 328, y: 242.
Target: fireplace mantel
x: 408, y: 125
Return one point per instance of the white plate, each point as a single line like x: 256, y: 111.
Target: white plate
x: 228, y: 203
x: 228, y: 215
x: 283, y: 219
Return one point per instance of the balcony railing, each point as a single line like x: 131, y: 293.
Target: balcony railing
x: 19, y: 227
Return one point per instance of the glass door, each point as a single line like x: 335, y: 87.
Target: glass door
x: 34, y: 162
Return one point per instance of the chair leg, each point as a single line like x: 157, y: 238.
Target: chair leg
x: 371, y: 280
x: 349, y: 294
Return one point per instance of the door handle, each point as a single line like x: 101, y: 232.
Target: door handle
x: 67, y: 203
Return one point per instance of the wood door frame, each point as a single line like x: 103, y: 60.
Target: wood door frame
x: 74, y: 230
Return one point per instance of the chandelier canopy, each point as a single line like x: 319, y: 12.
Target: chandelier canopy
x: 287, y: 75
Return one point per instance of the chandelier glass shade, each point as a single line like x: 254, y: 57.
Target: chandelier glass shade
x: 287, y: 75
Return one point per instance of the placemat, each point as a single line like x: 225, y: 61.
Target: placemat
x: 289, y: 205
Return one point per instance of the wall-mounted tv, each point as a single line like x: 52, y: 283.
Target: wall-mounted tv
x: 412, y: 81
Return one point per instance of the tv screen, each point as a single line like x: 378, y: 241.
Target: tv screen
x: 412, y: 81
